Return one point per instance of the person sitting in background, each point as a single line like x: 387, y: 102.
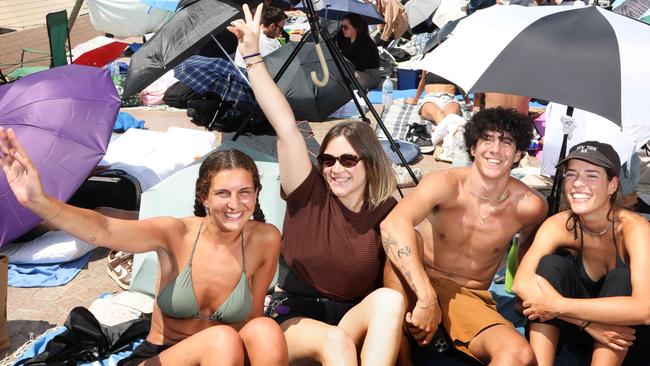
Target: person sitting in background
x: 396, y: 24
x: 584, y: 280
x: 201, y: 260
x: 273, y: 20
x: 329, y: 299
x: 357, y: 46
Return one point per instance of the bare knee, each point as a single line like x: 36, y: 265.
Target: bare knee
x: 338, y: 347
x: 515, y: 356
x: 263, y: 338
x: 223, y: 338
x: 388, y: 302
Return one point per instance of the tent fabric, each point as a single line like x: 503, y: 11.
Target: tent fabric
x: 589, y: 126
x: 124, y: 18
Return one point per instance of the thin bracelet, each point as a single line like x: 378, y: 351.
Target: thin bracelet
x: 248, y: 66
x: 57, y: 214
x: 427, y: 306
x: 257, y: 58
x: 251, y: 55
x: 585, y: 326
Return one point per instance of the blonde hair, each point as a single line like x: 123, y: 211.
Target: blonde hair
x: 380, y: 178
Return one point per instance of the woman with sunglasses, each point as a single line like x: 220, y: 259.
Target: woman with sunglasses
x: 327, y: 301
x: 357, y: 46
x: 584, y: 281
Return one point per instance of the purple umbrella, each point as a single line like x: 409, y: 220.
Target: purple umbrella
x: 63, y: 117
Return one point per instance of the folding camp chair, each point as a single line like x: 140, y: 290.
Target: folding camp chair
x: 57, y: 33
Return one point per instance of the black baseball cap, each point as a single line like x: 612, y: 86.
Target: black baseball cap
x: 597, y: 153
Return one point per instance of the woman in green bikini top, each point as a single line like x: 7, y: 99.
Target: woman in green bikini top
x: 214, y: 267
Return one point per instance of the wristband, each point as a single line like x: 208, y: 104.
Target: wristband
x: 251, y: 55
x: 585, y: 325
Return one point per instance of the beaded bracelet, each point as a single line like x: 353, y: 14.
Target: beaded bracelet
x: 251, y: 55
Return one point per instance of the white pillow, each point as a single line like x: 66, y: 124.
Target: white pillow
x: 51, y: 247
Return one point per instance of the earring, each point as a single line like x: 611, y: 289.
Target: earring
x: 207, y: 212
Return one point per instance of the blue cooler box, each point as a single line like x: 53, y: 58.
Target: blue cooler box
x: 408, y: 79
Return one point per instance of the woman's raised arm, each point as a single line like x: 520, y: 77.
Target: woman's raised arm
x: 293, y: 156
x: 88, y: 225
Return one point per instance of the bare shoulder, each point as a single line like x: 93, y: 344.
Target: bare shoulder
x: 531, y: 206
x: 262, y: 235
x: 631, y: 220
x: 443, y: 180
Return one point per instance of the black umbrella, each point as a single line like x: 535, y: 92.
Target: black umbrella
x: 308, y: 101
x: 179, y: 38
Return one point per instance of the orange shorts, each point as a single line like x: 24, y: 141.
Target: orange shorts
x: 465, y: 312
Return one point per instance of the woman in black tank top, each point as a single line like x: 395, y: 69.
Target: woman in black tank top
x: 584, y: 280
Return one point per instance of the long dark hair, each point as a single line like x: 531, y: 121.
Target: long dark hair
x: 222, y: 160
x: 357, y: 22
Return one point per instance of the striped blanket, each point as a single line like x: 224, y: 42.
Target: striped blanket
x: 398, y: 117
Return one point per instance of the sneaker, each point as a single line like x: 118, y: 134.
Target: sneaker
x: 419, y: 135
x: 119, y: 268
x: 404, y: 179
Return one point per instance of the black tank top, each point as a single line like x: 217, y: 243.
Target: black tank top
x: 593, y: 287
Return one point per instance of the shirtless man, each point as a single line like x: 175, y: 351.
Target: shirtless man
x: 465, y: 218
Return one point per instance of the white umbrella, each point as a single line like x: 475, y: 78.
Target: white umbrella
x: 447, y: 11
x: 417, y: 11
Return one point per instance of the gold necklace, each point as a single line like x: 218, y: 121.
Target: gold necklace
x: 500, y: 198
x: 588, y: 230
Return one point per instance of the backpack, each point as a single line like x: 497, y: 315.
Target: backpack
x: 109, y: 188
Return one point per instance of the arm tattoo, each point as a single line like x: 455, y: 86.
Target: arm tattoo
x: 403, y: 251
x: 389, y: 246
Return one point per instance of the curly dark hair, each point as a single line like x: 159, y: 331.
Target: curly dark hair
x: 501, y: 120
x: 222, y: 160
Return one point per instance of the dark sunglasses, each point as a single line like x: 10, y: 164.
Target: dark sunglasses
x: 346, y: 160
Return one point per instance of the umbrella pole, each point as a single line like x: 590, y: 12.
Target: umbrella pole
x: 249, y: 118
x: 556, y: 190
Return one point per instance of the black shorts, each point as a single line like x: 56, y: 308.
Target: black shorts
x: 285, y: 305
x: 141, y: 353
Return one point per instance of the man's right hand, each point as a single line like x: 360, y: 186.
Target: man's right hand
x: 615, y: 337
x: 423, y: 322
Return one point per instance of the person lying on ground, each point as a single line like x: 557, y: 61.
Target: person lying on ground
x: 201, y: 259
x: 439, y: 100
x: 584, y: 280
x: 327, y: 300
x: 357, y: 46
x: 465, y: 219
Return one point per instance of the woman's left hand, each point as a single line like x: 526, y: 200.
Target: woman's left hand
x: 546, y: 305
